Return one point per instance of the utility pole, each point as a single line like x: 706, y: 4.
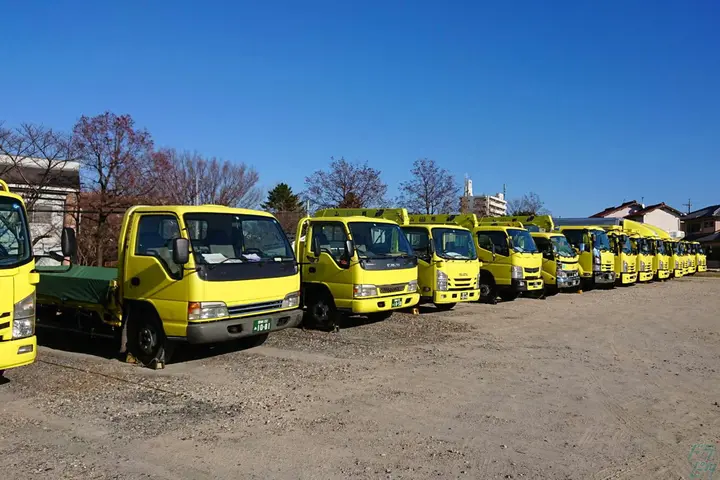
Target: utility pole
x: 197, y: 191
x: 688, y: 205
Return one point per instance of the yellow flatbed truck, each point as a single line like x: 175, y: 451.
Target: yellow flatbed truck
x: 354, y: 264
x: 185, y: 274
x: 18, y: 344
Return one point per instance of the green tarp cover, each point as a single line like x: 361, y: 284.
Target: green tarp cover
x: 79, y: 284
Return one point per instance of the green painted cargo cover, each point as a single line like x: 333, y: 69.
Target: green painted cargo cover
x: 78, y: 285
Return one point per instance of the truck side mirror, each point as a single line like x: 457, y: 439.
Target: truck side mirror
x: 181, y: 251
x: 68, y: 242
x: 315, y: 246
x: 349, y: 248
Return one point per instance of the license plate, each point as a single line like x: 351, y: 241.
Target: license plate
x: 464, y: 295
x: 397, y: 302
x: 262, y: 325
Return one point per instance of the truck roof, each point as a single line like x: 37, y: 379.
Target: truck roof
x: 5, y: 192
x: 183, y: 209
x: 393, y: 215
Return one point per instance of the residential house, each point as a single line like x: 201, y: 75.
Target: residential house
x: 704, y: 226
x: 660, y: 215
x: 46, y: 188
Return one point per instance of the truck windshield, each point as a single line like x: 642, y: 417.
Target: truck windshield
x: 454, y: 244
x: 229, y: 238
x: 643, y: 246
x: 700, y: 250
x: 629, y: 246
x: 561, y: 246
x: 15, y: 247
x: 379, y: 240
x: 660, y: 247
x: 602, y: 242
x: 521, y: 241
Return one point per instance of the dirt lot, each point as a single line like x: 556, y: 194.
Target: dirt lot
x: 602, y: 385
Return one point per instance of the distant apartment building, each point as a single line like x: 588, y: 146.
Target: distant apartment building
x: 660, y: 215
x: 46, y: 187
x: 482, y: 205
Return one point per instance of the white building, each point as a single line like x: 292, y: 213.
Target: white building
x: 660, y: 215
x: 482, y: 205
x: 46, y: 187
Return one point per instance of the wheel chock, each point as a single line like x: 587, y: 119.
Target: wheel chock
x: 415, y: 311
x: 579, y: 291
x: 130, y: 358
x: 155, y: 365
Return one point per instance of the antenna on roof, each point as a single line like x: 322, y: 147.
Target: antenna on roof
x: 688, y: 205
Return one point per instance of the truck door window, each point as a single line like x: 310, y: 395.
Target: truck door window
x: 487, y: 239
x: 154, y: 239
x: 545, y: 246
x: 332, y: 238
x: 14, y: 236
x: 419, y: 239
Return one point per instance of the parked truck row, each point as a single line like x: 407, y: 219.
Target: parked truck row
x: 209, y: 274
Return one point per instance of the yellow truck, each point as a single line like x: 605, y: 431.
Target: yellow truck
x: 511, y: 262
x: 354, y: 263
x: 691, y: 257
x: 592, y: 244
x: 560, y: 266
x: 656, y: 242
x: 185, y: 274
x: 448, y: 265
x: 644, y: 261
x: 18, y: 344
x: 625, y: 255
x: 700, y: 257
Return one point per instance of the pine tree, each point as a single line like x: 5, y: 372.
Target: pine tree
x: 282, y: 199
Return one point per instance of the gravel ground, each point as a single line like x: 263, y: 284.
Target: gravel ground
x: 603, y: 385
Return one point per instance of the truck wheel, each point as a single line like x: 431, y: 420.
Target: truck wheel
x: 146, y: 339
x: 322, y: 312
x: 444, y: 307
x: 488, y: 291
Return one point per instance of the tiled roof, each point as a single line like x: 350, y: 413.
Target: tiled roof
x: 610, y: 210
x: 711, y: 211
x: 650, y: 208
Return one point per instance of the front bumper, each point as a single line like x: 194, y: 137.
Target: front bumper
x: 383, y: 304
x: 9, y: 356
x: 568, y: 282
x: 663, y: 274
x: 628, y: 278
x: 604, y: 277
x: 702, y: 268
x: 456, y: 296
x: 645, y: 276
x: 679, y: 272
x: 691, y: 270
x: 526, y: 284
x: 232, y: 329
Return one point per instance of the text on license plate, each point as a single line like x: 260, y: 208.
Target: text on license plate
x: 463, y: 295
x: 262, y: 325
x: 396, y: 302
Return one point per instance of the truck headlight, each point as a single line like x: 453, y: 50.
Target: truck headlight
x: 292, y: 299
x: 412, y: 286
x: 596, y: 267
x: 442, y: 281
x: 478, y: 281
x: 516, y: 272
x: 206, y: 310
x: 24, y: 318
x: 596, y: 260
x: 560, y: 273
x: 360, y: 291
x: 624, y: 267
x: 677, y: 265
x: 642, y: 266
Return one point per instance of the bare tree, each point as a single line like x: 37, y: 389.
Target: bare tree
x: 345, y: 185
x: 119, y: 167
x: 528, y: 204
x: 38, y: 158
x: 190, y: 177
x: 431, y: 189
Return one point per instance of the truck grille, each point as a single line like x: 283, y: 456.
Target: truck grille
x: 254, y: 307
x: 532, y: 270
x: 460, y: 283
x: 607, y: 268
x: 397, y: 288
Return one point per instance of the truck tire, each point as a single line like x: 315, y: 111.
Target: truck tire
x: 444, y: 307
x: 321, y: 312
x: 146, y: 338
x: 488, y: 290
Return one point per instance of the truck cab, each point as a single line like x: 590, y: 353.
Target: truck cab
x: 700, y: 257
x: 448, y: 265
x: 644, y: 265
x: 354, y: 264
x: 662, y: 260
x: 677, y: 262
x: 625, y: 256
x: 18, y: 344
x: 560, y: 266
x: 691, y: 257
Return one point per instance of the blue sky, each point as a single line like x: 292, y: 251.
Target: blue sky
x: 535, y: 95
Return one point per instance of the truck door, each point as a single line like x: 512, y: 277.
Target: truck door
x: 498, y: 263
x: 332, y: 267
x: 149, y: 273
